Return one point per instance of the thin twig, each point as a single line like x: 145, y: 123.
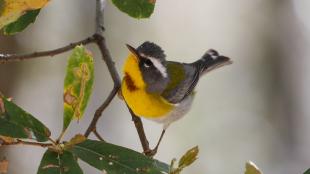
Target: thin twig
x: 5, y: 58
x: 99, y: 16
x: 106, y: 56
x: 98, y: 113
x: 21, y: 142
x: 139, y: 127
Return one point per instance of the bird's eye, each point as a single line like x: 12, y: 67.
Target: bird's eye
x: 147, y: 63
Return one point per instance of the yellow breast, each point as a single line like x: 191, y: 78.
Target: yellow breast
x: 133, y: 89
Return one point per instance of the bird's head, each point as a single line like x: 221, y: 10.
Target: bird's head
x: 152, y: 65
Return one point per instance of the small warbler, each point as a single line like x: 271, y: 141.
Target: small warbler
x: 161, y: 90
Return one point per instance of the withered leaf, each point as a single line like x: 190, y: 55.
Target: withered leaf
x: 4, y: 165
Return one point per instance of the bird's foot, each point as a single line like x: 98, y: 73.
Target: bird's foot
x: 151, y: 152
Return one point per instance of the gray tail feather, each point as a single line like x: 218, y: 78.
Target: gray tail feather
x: 211, y: 60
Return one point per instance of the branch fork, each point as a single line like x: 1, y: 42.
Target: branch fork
x: 99, y: 40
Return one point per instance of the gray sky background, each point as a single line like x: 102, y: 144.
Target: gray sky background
x: 256, y: 109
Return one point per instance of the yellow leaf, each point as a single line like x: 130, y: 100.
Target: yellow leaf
x: 7, y: 139
x: 13, y: 9
x: 78, y: 84
x: 251, y: 168
x: 75, y: 140
x: 189, y: 157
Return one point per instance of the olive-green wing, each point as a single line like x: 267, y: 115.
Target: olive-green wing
x: 183, y: 79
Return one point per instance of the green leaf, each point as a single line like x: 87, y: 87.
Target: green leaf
x: 54, y: 163
x: 17, y: 123
x: 307, y: 172
x: 251, y: 168
x: 12, y: 10
x: 189, y: 157
x: 22, y: 22
x: 116, y: 159
x: 136, y: 8
x: 186, y: 160
x: 78, y: 84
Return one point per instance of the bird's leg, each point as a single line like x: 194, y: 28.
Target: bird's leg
x: 154, y: 151
x: 160, y: 138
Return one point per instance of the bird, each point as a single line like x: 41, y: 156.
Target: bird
x: 161, y: 90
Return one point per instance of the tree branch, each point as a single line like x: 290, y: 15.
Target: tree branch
x: 139, y: 127
x: 98, y: 113
x: 5, y: 58
x: 106, y: 56
x: 100, y: 16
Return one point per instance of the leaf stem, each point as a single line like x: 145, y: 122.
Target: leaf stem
x: 61, y: 136
x: 53, y: 141
x: 21, y: 142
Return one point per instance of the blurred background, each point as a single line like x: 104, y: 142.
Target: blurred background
x: 256, y: 109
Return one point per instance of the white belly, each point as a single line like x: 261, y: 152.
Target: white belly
x: 178, y: 112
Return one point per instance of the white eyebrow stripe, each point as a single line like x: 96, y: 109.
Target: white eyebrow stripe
x: 157, y: 64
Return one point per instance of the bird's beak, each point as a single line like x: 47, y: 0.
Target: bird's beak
x: 133, y: 51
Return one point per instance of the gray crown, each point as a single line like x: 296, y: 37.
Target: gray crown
x: 152, y: 50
